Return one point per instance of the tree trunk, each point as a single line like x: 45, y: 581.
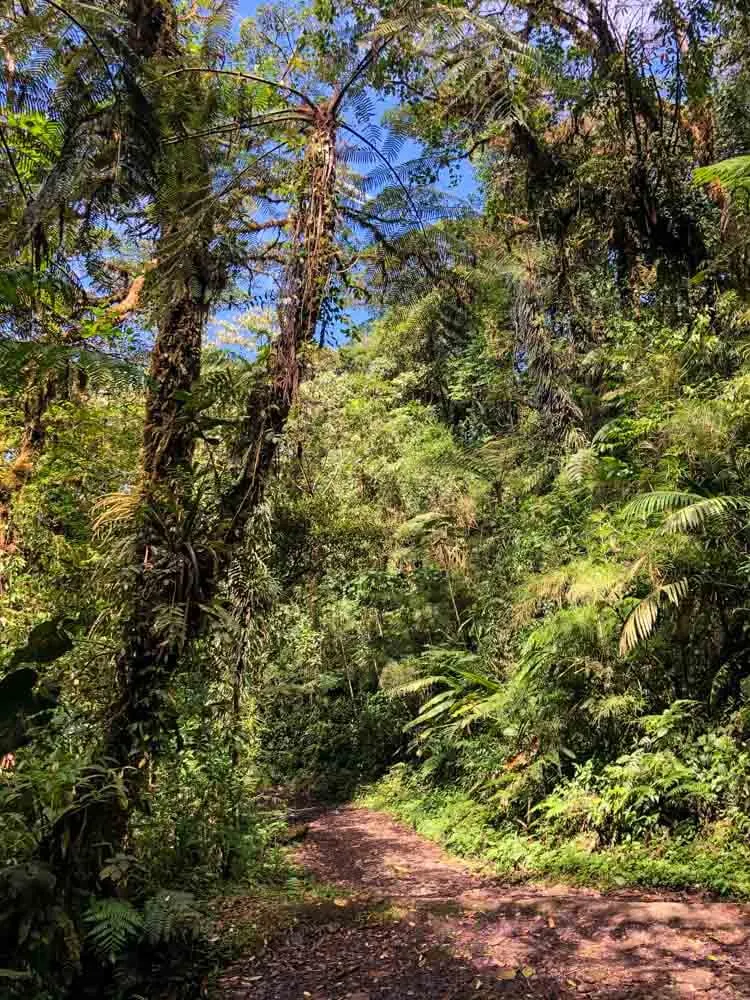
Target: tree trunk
x: 148, y: 654
x: 141, y: 713
x: 304, y: 287
x: 163, y: 579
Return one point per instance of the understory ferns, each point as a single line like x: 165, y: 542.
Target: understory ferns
x: 115, y: 925
x: 722, y: 518
x: 375, y: 393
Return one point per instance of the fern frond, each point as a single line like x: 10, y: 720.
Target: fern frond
x: 580, y: 466
x: 413, y: 687
x: 696, y: 516
x: 689, y: 511
x: 420, y: 525
x: 623, y: 707
x: 102, y: 372
x: 641, y: 621
x: 170, y: 914
x: 733, y: 174
x: 112, y: 924
x: 659, y: 502
x: 115, y: 509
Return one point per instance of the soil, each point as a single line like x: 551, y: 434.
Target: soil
x: 414, y: 923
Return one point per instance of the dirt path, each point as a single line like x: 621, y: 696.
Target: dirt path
x: 422, y: 925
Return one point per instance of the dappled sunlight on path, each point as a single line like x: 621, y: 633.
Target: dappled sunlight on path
x: 424, y: 925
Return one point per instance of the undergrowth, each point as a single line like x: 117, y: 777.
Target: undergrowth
x: 712, y: 860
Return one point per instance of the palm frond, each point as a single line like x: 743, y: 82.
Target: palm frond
x: 641, y: 621
x: 733, y: 174
x: 697, y: 515
x: 659, y: 502
x: 687, y: 511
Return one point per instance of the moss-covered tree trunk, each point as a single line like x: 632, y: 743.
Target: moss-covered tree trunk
x: 158, y: 579
x: 139, y: 714
x: 167, y: 579
x: 311, y: 259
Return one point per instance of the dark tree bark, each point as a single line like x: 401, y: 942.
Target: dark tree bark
x: 163, y: 571
x: 312, y: 254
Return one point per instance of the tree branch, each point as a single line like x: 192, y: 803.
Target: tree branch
x: 241, y: 76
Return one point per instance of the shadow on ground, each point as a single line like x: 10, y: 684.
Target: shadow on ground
x: 423, y: 925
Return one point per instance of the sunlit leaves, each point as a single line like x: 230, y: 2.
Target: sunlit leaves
x: 642, y: 619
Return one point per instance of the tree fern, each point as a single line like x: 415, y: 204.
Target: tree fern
x: 568, y: 635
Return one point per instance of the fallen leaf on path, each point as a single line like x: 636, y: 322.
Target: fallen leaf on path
x: 527, y: 972
x: 506, y: 973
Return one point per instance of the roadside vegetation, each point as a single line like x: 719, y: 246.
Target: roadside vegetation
x: 484, y: 552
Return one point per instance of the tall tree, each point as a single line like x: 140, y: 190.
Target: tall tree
x: 327, y: 69
x: 190, y: 269
x: 196, y: 195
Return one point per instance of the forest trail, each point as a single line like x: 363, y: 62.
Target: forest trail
x: 419, y: 924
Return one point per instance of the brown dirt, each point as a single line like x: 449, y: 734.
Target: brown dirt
x: 420, y: 924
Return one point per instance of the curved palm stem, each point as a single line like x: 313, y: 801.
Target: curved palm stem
x: 372, y: 53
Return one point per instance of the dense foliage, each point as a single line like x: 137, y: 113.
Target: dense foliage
x: 493, y: 539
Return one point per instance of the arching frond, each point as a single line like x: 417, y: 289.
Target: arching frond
x: 22, y: 360
x: 413, y: 687
x: 687, y: 511
x: 697, y: 515
x: 421, y: 524
x: 641, y: 621
x: 581, y: 466
x: 733, y: 174
x: 115, y: 509
x: 659, y: 502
